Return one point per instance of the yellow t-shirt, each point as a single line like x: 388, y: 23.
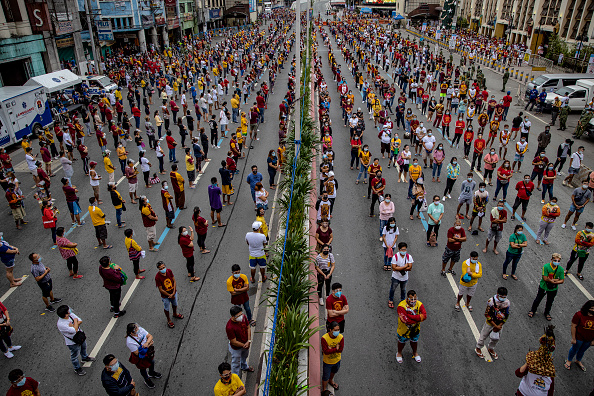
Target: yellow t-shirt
x: 97, y: 216
x: 415, y: 172
x: 409, y: 331
x: 221, y: 389
x: 108, y: 164
x: 131, y: 242
x: 264, y: 225
x: 365, y: 156
x: 234, y: 103
x: 332, y: 358
x: 190, y: 166
x: 466, y: 264
x: 121, y: 151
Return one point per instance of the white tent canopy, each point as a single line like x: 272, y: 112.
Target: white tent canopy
x: 55, y: 81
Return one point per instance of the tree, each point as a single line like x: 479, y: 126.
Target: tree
x: 462, y: 23
x: 447, y: 13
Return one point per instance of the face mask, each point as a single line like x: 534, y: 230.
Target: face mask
x: 236, y: 276
x: 366, y: 149
x: 588, y: 229
x: 482, y: 189
x: 454, y: 162
x: 523, y: 140
x: 507, y: 165
x: 584, y: 186
x: 115, y: 367
x: 469, y: 179
x: 239, y: 318
x: 402, y: 253
x: 519, y: 232
x: 147, y: 201
x: 336, y: 333
x: 526, y: 180
x: 550, y: 168
x: 387, y: 200
x: 473, y: 261
x: 165, y: 187
x: 254, y: 172
x: 163, y: 270
x: 421, y: 125
x: 429, y: 134
x: 457, y: 227
x: 501, y: 299
x: 415, y: 163
x: 492, y: 152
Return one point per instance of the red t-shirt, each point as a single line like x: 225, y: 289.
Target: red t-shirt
x: 200, y: 224
x: 260, y: 101
x: 507, y: 100
x: 540, y: 168
x: 503, y: 171
x: 165, y: 281
x: 459, y: 127
x: 479, y: 145
x: 136, y: 111
x: 453, y: 232
x: 237, y: 330
x: 184, y: 242
x: 585, y: 327
x: 30, y: 386
x: 170, y: 140
x: 549, y: 173
x: 522, y: 188
x: 336, y: 304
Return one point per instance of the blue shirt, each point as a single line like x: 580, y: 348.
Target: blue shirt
x: 253, y: 179
x: 6, y: 258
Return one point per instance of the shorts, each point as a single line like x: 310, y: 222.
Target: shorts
x: 101, y: 231
x: 523, y: 202
x: 95, y: 190
x: 466, y: 290
x: 9, y: 263
x: 33, y: 172
x: 404, y: 340
x: 573, y: 171
x: 47, y: 163
x: 572, y: 208
x: 69, y: 148
x: 518, y: 157
x: 466, y: 200
x: 515, y: 129
x: 216, y: 210
x: 450, y: 254
x: 170, y: 214
x: 494, y: 234
x: 169, y: 301
x: 74, y: 208
x: 404, y: 167
x: 329, y: 369
x: 132, y: 187
x: 46, y: 288
x: 427, y: 154
x: 227, y: 189
x: 18, y: 213
x: 261, y: 261
x: 253, y: 127
x: 151, y: 233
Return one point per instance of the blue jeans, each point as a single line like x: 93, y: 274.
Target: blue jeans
x: 410, y: 186
x: 248, y: 310
x: 362, y: 171
x: 437, y: 168
x: 119, y: 216
x: 513, y: 258
x: 382, y: 225
x: 549, y: 188
x: 388, y: 260
x: 123, y: 166
x: 172, y: 155
x: 578, y: 348
x: 75, y: 350
x: 235, y: 113
x: 394, y: 285
x: 261, y: 111
x: 238, y: 359
x: 504, y: 186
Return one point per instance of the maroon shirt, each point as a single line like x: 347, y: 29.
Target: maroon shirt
x: 237, y: 330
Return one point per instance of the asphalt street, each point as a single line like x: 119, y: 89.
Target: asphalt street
x: 449, y: 364
x: 187, y: 355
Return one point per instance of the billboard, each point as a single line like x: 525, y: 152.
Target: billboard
x: 252, y: 5
x: 38, y: 17
x: 104, y: 31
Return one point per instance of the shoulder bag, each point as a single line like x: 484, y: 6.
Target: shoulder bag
x: 145, y: 361
x: 79, y: 337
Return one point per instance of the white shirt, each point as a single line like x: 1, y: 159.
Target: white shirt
x: 224, y: 120
x: 66, y: 330
x: 429, y: 142
x: 144, y: 164
x: 526, y: 126
x: 140, y: 336
x: 386, y: 137
x: 535, y: 385
x: 401, y: 262
x: 390, y: 236
x: 256, y: 243
x: 576, y: 160
x: 31, y: 162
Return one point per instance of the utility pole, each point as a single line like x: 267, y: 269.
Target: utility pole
x: 298, y: 72
x: 96, y: 56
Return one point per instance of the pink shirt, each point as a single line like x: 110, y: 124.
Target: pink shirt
x: 490, y: 158
x: 386, y: 210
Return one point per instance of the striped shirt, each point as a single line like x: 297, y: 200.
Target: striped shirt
x: 324, y: 263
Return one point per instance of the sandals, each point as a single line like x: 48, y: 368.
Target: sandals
x: 171, y: 325
x: 548, y: 317
x: 504, y: 276
x: 514, y: 277
x: 494, y: 354
x: 108, y: 247
x: 567, y: 365
x: 530, y: 314
x: 178, y: 316
x: 399, y: 359
x: 334, y: 385
x: 253, y: 323
x: 391, y: 304
x: 250, y: 369
x: 457, y: 307
x: 417, y: 359
x: 470, y: 308
x: 581, y: 366
x: 386, y: 268
x: 479, y: 353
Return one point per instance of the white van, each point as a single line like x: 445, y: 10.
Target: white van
x: 579, y: 95
x: 552, y: 82
x: 23, y: 110
x: 98, y: 85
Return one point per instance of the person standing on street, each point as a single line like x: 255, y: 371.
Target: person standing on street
x: 21, y: 385
x: 324, y: 266
x: 472, y: 271
x: 68, y: 251
x: 134, y: 252
x: 332, y: 347
x: 201, y: 225
x: 584, y: 240
x: 230, y: 383
x: 149, y: 220
x: 44, y: 281
x: 238, y: 286
x: 139, y: 342
x: 112, y: 281
x: 252, y: 179
x: 538, y: 373
x: 579, y: 199
x: 498, y: 217
x: 456, y: 236
x: 552, y: 277
x: 256, y: 242
x: 132, y: 175
x: 496, y: 314
x: 239, y: 334
x: 401, y: 265
x: 582, y: 334
x: 5, y: 331
x: 116, y: 378
x: 167, y: 286
x: 517, y: 243
x: 7, y: 256
x: 525, y: 189
x: 411, y: 312
x: 186, y: 240
x: 336, y: 307
x: 505, y: 79
x: 98, y: 220
x: 69, y: 325
x: 177, y: 181
x: 214, y: 198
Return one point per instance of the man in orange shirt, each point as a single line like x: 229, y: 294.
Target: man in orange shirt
x: 177, y: 182
x: 479, y: 147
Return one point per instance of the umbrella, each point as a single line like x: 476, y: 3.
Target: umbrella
x: 398, y: 17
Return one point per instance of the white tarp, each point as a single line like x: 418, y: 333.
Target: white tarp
x: 55, y: 81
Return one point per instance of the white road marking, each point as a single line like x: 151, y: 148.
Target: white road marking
x: 111, y: 323
x: 475, y: 171
x: 473, y: 328
x: 579, y: 285
x: 11, y: 290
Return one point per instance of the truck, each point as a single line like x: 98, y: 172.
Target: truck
x: 579, y: 95
x: 98, y: 85
x: 23, y: 110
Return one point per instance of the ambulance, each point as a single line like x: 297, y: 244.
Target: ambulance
x: 23, y: 111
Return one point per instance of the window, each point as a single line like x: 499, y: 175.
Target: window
x: 578, y: 95
x: 569, y: 81
x: 12, y: 11
x: 182, y: 8
x: 551, y: 83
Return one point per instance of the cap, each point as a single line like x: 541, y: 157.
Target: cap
x: 420, y: 180
x: 92, y: 163
x: 331, y: 173
x: 256, y: 225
